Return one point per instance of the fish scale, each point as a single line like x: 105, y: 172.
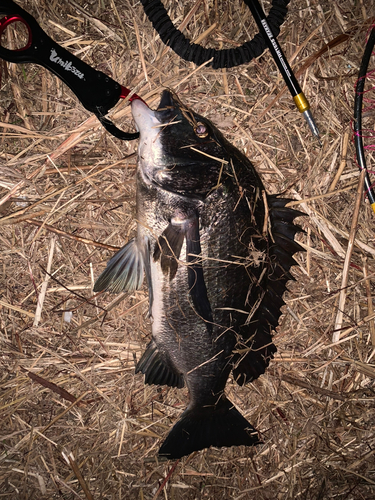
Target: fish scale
x: 216, y: 272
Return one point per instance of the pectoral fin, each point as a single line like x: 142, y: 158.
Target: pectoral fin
x: 168, y: 250
x: 125, y: 270
x: 169, y: 246
x: 196, y: 283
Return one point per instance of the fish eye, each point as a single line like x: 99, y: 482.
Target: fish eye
x: 201, y: 130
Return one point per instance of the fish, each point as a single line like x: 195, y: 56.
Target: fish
x: 216, y: 251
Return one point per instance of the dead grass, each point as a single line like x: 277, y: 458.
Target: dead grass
x: 76, y: 423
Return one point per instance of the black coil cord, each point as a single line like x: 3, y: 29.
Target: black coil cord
x: 360, y: 85
x: 226, y: 58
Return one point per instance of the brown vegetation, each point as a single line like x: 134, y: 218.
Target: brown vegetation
x: 75, y: 421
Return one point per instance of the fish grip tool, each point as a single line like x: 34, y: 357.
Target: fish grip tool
x: 97, y: 92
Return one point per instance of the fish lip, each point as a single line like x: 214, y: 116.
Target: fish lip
x: 143, y: 116
x: 165, y: 112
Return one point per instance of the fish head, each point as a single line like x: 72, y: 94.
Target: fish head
x: 179, y: 150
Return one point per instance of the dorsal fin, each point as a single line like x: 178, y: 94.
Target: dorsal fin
x: 256, y: 346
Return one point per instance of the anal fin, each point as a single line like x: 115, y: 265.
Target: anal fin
x: 158, y: 370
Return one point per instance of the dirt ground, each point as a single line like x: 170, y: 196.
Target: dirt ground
x: 75, y: 420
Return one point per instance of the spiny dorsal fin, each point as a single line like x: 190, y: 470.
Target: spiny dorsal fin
x: 256, y: 338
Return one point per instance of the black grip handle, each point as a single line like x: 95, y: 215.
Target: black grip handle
x: 97, y: 92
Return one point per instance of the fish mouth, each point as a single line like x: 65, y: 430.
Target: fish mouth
x: 145, y: 118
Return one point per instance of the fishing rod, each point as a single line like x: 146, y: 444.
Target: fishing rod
x: 359, y: 91
x: 299, y: 97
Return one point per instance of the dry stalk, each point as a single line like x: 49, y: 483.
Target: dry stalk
x: 42, y: 294
x: 314, y: 405
x: 348, y: 256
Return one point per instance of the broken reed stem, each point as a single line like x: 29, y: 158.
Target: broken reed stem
x: 345, y: 272
x: 225, y: 82
x: 64, y: 234
x: 344, y: 151
x: 166, y: 480
x: 69, y: 458
x: 50, y: 385
x: 136, y: 31
x: 42, y: 295
x: 206, y: 33
x: 319, y: 196
x: 12, y: 192
x: 369, y: 300
x: 311, y: 387
x: 18, y: 309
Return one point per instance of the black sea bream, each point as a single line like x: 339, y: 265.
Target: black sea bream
x: 216, y: 251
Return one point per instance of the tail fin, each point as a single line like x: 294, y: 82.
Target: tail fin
x: 257, y: 335
x: 202, y: 427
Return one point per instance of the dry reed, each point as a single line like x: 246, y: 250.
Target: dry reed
x: 75, y: 422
